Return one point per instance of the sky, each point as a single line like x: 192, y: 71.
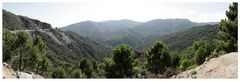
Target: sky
x: 66, y: 13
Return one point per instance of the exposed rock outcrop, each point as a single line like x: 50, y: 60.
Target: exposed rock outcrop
x: 225, y: 66
x: 9, y: 73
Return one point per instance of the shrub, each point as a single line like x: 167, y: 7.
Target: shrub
x: 184, y: 65
x: 59, y: 73
x: 86, y: 67
x: 77, y: 73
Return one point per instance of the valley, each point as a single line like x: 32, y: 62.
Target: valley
x: 136, y: 34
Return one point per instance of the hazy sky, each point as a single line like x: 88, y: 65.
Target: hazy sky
x: 62, y: 14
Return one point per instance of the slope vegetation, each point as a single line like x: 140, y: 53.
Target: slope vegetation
x: 17, y: 22
x: 64, y: 46
x: 70, y: 46
x: 180, y: 40
x: 136, y: 34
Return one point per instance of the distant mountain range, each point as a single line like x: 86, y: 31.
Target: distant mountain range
x: 95, y: 30
x: 136, y: 34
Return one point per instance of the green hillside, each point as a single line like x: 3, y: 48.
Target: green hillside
x: 67, y: 45
x: 180, y: 40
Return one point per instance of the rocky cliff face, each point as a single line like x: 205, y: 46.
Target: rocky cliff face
x: 42, y: 25
x: 225, y: 66
x: 17, y: 22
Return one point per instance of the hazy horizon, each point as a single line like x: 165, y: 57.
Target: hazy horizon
x: 63, y: 14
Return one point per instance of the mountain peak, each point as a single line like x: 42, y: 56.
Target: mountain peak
x: 171, y: 20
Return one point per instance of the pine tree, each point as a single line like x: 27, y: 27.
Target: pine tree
x: 8, y: 45
x: 22, y: 50
x: 33, y: 59
x: 196, y: 54
x: 202, y: 50
x: 108, y: 67
x: 123, y: 62
x: 158, y: 58
x: 43, y: 63
x: 86, y: 67
x: 228, y: 31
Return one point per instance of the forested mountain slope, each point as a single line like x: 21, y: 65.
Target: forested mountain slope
x: 72, y: 47
x: 17, y: 22
x: 129, y: 32
x: 94, y: 30
x: 180, y: 40
x: 64, y: 46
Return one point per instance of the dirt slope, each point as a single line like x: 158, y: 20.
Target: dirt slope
x: 225, y: 66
